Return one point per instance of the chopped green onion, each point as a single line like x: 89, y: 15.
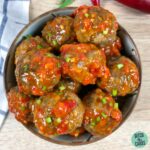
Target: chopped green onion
x: 114, y: 92
x: 54, y: 42
x: 58, y: 65
x: 98, y: 119
x: 23, y: 108
x: 49, y: 34
x: 38, y: 101
x: 116, y: 106
x: 25, y: 67
x: 104, y: 115
x: 44, y: 88
x: 120, y: 66
x: 68, y: 59
x: 49, y: 55
x: 92, y: 123
x: 48, y: 120
x: 58, y: 120
x: 111, y: 104
x: 39, y: 46
x: 105, y: 32
x: 86, y: 15
x: 104, y: 101
x: 62, y: 87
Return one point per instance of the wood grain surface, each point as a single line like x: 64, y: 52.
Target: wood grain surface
x: 13, y: 136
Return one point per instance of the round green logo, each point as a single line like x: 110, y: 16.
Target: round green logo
x: 139, y: 139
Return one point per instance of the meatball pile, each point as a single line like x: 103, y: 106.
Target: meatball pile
x: 69, y: 76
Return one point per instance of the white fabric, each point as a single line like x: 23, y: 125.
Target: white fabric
x: 14, y: 14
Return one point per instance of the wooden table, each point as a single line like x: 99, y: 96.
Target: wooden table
x: 14, y: 136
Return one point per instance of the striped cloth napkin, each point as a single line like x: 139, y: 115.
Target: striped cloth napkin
x: 14, y: 15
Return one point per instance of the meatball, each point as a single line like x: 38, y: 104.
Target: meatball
x: 38, y: 72
x: 124, y: 77
x: 19, y: 105
x: 59, y: 31
x: 57, y: 114
x: 68, y: 84
x: 29, y: 44
x: 102, y: 114
x: 83, y: 62
x: 96, y: 25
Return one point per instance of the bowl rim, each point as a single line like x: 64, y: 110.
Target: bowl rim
x: 62, y: 142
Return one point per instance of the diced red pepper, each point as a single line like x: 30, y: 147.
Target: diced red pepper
x: 116, y: 114
x: 62, y: 128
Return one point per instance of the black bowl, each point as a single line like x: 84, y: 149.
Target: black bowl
x: 127, y: 103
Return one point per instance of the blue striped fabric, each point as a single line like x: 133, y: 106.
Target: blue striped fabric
x: 10, y: 24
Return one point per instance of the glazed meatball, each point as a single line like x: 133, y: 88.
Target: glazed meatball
x: 56, y: 114
x: 96, y: 25
x: 19, y: 105
x: 102, y: 114
x: 124, y: 77
x: 38, y: 72
x: 29, y: 44
x: 68, y: 84
x: 59, y: 31
x: 83, y: 62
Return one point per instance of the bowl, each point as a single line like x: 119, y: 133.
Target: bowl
x: 126, y: 103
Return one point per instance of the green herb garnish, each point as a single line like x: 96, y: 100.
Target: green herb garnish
x: 39, y: 46
x: 49, y: 34
x: 114, y: 92
x: 119, y: 66
x: 111, y: 104
x: 44, y: 88
x: 58, y: 120
x: 62, y: 87
x: 98, y: 119
x: 104, y: 115
x: 116, y: 106
x: 67, y: 59
x: 38, y: 101
x: 92, y: 123
x: 104, y: 101
x: 49, y: 55
x: 54, y: 42
x: 105, y: 32
x: 86, y: 15
x: 48, y: 120
x: 22, y: 108
x: 58, y: 65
